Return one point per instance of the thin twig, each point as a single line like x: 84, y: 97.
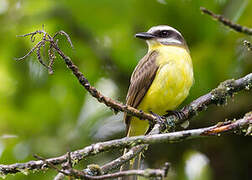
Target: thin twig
x: 133, y: 152
x: 33, y: 34
x: 48, y: 163
x: 29, y: 53
x: 51, y: 55
x: 227, y: 22
x: 39, y: 54
x: 66, y: 35
x: 148, y: 173
x: 38, y: 47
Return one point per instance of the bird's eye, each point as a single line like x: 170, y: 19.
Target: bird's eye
x: 164, y: 33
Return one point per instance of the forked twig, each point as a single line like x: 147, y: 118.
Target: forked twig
x: 41, y: 44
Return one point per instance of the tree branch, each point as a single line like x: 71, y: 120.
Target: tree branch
x: 217, y: 96
x: 227, y: 22
x: 94, y: 149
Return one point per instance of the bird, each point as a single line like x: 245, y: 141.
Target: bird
x: 162, y: 79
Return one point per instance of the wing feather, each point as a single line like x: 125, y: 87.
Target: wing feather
x: 140, y: 81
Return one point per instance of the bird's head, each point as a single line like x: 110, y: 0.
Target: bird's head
x: 162, y: 35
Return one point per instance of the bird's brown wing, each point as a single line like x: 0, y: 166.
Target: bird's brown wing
x: 140, y: 82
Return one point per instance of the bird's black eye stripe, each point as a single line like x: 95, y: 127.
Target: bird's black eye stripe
x: 168, y: 34
x: 164, y: 33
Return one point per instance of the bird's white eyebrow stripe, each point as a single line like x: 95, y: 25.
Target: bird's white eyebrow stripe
x: 171, y: 40
x: 163, y: 27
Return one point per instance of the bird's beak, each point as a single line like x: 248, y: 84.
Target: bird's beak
x: 144, y: 35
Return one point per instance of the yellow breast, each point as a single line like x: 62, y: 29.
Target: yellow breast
x: 170, y: 86
x: 173, y: 80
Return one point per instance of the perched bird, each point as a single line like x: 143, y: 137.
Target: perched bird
x: 162, y: 79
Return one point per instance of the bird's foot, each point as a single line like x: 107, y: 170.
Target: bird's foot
x: 160, y: 120
x: 178, y: 114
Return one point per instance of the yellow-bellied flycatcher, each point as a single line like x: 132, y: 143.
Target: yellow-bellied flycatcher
x: 162, y: 79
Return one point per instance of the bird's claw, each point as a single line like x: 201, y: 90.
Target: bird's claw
x: 160, y: 120
x: 178, y: 114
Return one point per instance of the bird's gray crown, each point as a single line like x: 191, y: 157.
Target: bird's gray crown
x: 159, y: 28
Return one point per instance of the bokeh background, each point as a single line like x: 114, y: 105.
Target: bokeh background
x: 52, y: 114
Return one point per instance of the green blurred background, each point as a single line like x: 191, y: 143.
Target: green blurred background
x: 52, y: 114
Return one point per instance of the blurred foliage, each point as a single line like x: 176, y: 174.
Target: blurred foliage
x: 49, y: 115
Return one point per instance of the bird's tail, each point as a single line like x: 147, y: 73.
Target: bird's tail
x: 133, y: 164
x: 137, y: 127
